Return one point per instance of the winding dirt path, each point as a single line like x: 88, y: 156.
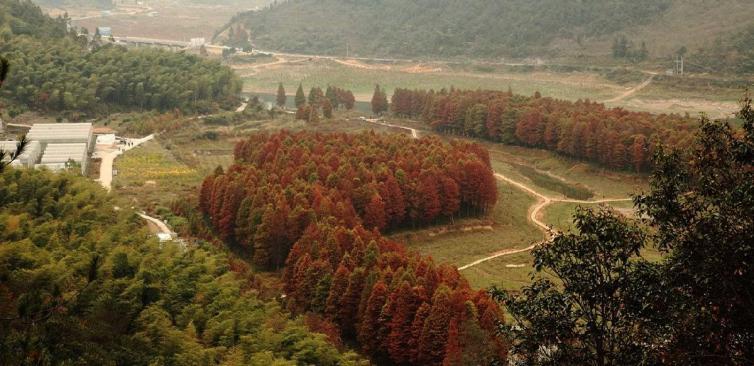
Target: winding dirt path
x: 633, y: 90
x: 542, y: 202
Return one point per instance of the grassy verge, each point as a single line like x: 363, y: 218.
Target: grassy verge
x: 560, y: 214
x: 603, y: 183
x: 575, y: 191
x: 509, y: 228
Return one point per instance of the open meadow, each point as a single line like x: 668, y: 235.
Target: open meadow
x: 661, y: 94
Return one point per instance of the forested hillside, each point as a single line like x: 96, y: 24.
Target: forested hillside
x: 734, y: 54
x: 317, y: 204
x: 441, y: 28
x: 489, y: 29
x: 82, y: 283
x: 53, y: 69
x: 586, y: 130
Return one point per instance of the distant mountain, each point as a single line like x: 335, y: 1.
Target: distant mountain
x: 485, y: 28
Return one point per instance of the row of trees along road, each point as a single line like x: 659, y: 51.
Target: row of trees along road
x: 308, y: 108
x: 613, y: 137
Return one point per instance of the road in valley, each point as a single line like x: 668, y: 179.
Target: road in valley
x: 534, y: 211
x: 108, y: 155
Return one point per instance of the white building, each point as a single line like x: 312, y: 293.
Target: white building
x: 62, y: 133
x: 106, y: 139
x: 58, y: 156
x: 197, y: 42
x: 28, y: 158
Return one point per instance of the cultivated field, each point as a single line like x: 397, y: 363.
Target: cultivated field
x: 163, y: 19
x: 150, y: 176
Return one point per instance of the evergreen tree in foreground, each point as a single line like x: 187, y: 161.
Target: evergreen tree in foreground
x: 7, y: 157
x: 379, y: 101
x: 281, y: 97
x: 300, y: 96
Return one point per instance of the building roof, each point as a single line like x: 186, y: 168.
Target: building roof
x: 60, y: 131
x: 61, y: 153
x: 105, y: 31
x: 10, y: 146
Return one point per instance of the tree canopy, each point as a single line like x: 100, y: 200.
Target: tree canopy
x: 84, y: 283
x: 440, y: 27
x: 55, y: 70
x: 613, y: 137
x: 610, y: 306
x: 317, y: 204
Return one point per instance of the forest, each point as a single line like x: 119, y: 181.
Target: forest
x: 56, y: 70
x: 732, y: 54
x: 446, y: 28
x: 587, y: 130
x: 84, y: 283
x: 316, y: 205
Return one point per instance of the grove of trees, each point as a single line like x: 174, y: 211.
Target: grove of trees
x: 317, y: 204
x: 613, y: 137
x: 327, y: 101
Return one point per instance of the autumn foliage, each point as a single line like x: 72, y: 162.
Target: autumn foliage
x: 613, y: 137
x: 317, y: 204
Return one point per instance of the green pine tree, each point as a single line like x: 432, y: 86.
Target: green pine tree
x: 281, y: 97
x: 300, y: 97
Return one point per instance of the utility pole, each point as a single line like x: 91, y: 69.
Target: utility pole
x: 347, y: 50
x: 679, y: 65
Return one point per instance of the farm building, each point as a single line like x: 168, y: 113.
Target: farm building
x: 104, y: 32
x: 30, y: 155
x: 62, y: 133
x: 55, y: 145
x: 58, y: 156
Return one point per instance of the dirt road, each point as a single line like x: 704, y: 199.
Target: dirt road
x: 543, y: 201
x: 633, y: 90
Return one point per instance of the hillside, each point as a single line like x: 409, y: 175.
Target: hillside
x: 84, y: 284
x: 484, y: 29
x: 55, y: 70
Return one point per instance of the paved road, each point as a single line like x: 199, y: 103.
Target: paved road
x: 542, y: 202
x: 108, y: 156
x: 159, y: 223
x: 164, y: 229
x: 242, y: 107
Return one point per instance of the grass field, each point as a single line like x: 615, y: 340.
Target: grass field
x: 361, y: 80
x: 507, y: 227
x: 560, y: 215
x: 150, y: 175
x: 509, y: 273
x: 571, y: 173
